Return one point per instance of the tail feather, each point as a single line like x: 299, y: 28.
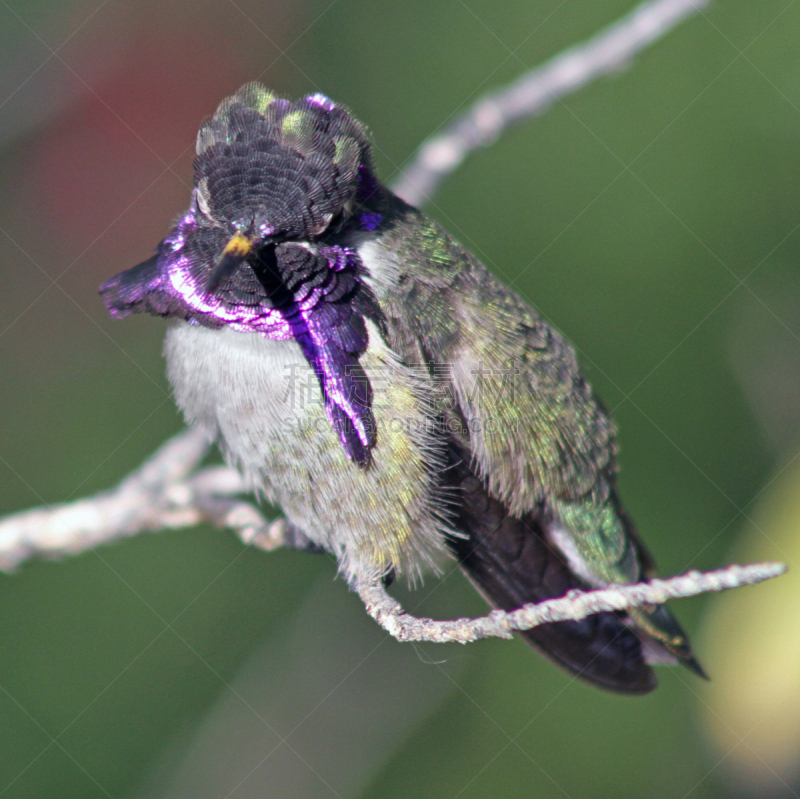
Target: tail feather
x: 663, y: 636
x: 666, y: 637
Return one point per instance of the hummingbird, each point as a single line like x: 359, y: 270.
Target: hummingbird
x: 375, y: 381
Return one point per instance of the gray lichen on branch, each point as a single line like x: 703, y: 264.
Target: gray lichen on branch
x: 607, y: 52
x: 576, y: 605
x: 169, y: 491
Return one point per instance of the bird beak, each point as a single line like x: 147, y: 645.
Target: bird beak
x: 232, y: 257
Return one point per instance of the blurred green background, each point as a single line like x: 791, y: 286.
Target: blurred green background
x: 653, y: 218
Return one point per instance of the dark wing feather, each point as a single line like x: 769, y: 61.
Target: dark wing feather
x: 510, y: 562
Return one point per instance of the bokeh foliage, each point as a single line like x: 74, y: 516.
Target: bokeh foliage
x: 652, y: 218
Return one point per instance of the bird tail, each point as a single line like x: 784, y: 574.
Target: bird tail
x: 663, y: 637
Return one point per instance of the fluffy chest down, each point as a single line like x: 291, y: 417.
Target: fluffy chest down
x: 262, y: 400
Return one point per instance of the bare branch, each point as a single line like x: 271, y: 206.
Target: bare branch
x: 608, y: 51
x: 574, y: 606
x: 167, y: 493
x: 163, y: 493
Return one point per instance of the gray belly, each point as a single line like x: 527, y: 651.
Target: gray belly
x: 263, y: 401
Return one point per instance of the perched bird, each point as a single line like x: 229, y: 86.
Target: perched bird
x: 375, y: 381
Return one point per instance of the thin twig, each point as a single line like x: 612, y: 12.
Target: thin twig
x: 574, y: 606
x: 608, y: 51
x: 164, y: 493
